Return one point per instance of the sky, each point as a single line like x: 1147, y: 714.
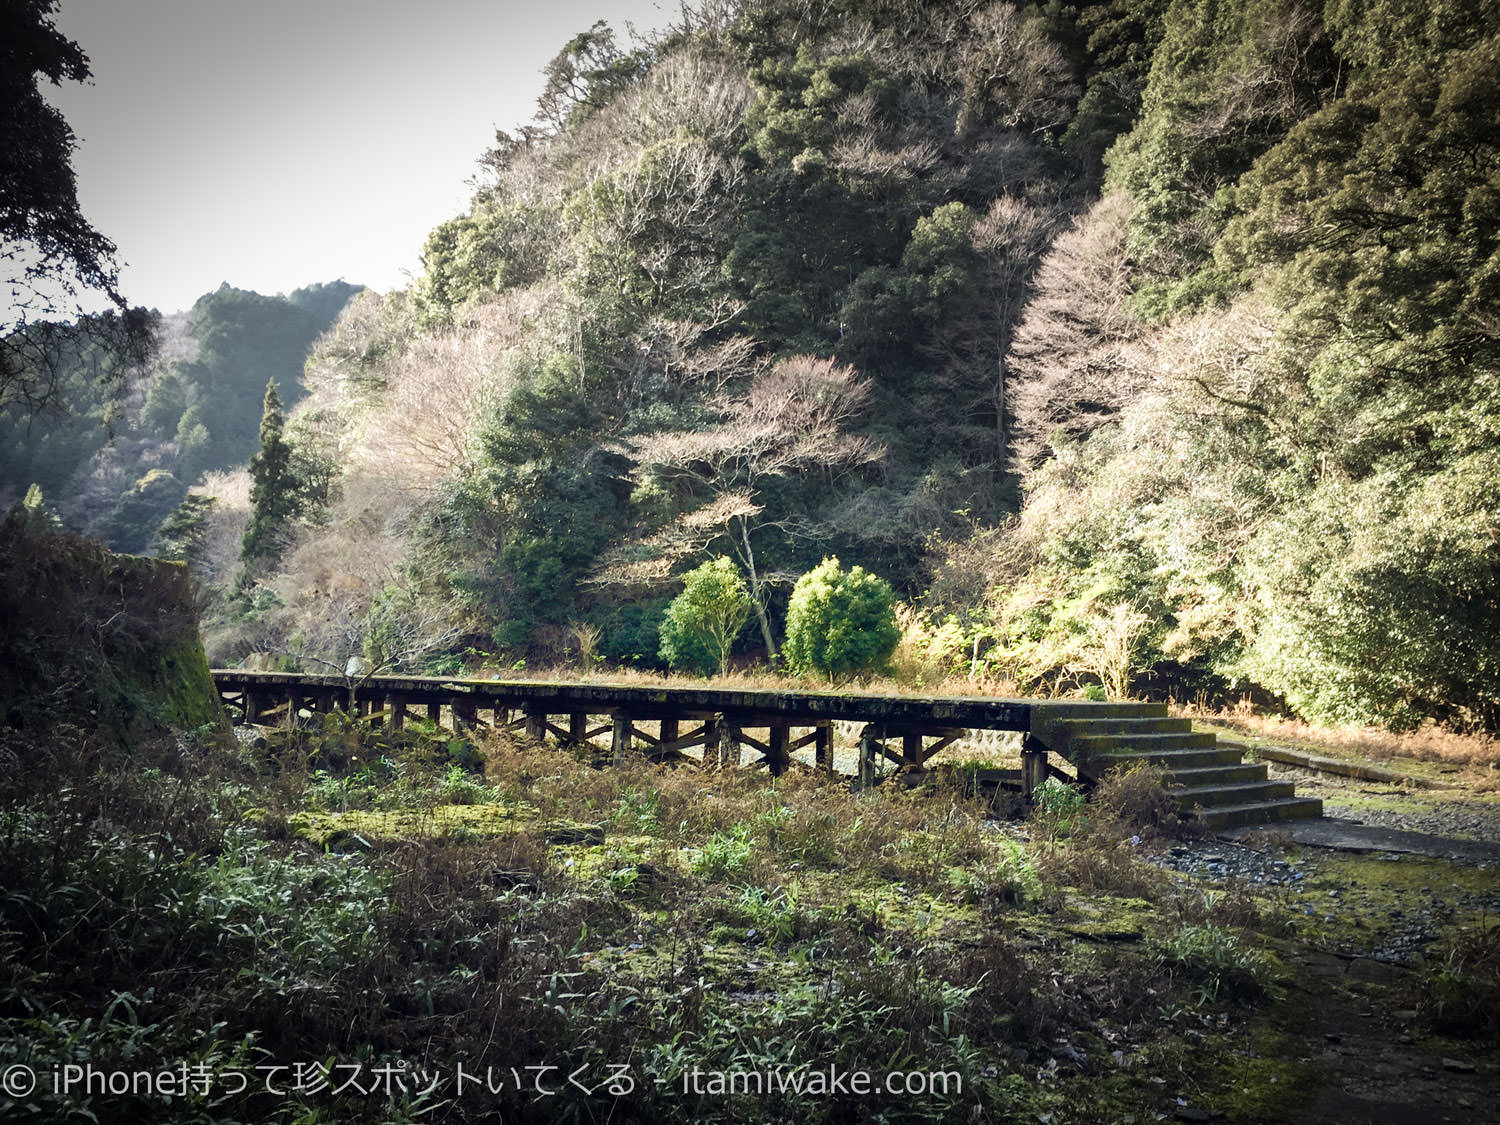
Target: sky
x: 277, y: 143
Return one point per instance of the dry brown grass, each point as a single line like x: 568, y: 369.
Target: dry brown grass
x: 1431, y: 743
x: 759, y: 678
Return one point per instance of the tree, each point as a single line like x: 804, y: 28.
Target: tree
x: 840, y: 622
x: 183, y: 535
x: 703, y: 621
x: 49, y: 253
x: 791, y: 422
x: 274, y: 499
x: 1069, y: 355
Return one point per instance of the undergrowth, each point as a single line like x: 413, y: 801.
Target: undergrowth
x: 633, y: 926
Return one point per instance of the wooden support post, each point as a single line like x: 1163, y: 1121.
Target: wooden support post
x: 711, y: 727
x: 1033, y: 766
x: 252, y: 706
x: 536, y: 724
x: 869, y: 748
x: 465, y: 715
x: 911, y: 750
x: 729, y: 744
x: 778, y: 757
x: 670, y: 732
x: 435, y: 714
x: 397, y: 708
x: 621, y: 742
x: 293, y: 705
x: 578, y: 727
x: 823, y: 747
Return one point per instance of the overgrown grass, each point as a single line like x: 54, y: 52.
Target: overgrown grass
x: 1430, y: 743
x: 688, y: 921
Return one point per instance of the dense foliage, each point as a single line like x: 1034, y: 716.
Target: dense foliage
x: 840, y: 622
x: 118, y: 454
x: 702, y: 622
x: 1140, y: 345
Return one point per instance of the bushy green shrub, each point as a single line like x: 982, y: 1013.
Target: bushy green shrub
x: 840, y: 622
x: 702, y: 622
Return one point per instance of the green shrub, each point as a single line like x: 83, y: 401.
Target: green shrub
x: 702, y: 622
x: 840, y: 622
x: 1057, y: 808
x: 723, y: 856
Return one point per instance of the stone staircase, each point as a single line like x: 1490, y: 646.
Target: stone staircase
x: 1210, y: 782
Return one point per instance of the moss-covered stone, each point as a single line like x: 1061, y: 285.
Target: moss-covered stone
x: 99, y: 641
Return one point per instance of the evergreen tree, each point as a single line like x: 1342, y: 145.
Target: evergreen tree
x: 274, y: 495
x: 183, y: 535
x: 840, y: 622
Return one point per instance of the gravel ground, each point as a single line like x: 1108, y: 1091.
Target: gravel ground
x: 1435, y: 811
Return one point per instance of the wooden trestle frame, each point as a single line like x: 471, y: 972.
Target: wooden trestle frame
x: 903, y: 731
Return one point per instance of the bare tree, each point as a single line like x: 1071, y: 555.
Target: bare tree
x: 1071, y: 356
x: 1014, y: 74
x: 1008, y: 240
x: 792, y: 420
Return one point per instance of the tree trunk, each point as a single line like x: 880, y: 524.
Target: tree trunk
x: 756, y: 586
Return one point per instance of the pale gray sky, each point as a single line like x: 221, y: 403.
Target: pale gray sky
x: 276, y: 143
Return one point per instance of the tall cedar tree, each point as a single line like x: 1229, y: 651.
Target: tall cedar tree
x: 274, y: 498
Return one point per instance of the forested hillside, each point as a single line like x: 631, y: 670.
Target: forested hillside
x: 1134, y: 343
x: 115, y: 456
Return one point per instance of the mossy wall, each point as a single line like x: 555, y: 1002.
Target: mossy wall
x: 104, y: 642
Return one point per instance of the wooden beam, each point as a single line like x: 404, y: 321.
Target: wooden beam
x: 536, y: 724
x: 911, y: 749
x: 711, y: 735
x: 943, y: 743
x: 621, y: 743
x: 754, y: 743
x: 1033, y: 766
x: 778, y: 753
x: 869, y: 746
x: 823, y: 747
x: 729, y: 744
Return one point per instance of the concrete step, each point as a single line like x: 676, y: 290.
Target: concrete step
x: 1217, y: 796
x: 1057, y: 710
x: 1260, y: 812
x: 1172, y: 760
x: 1140, y: 744
x: 1128, y: 724
x: 1218, y: 775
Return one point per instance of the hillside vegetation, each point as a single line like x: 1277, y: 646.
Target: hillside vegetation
x: 118, y: 445
x: 1132, y: 343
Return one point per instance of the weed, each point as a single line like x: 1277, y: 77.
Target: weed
x: 637, y: 811
x: 723, y: 857
x: 1134, y: 801
x: 1057, y: 808
x: 1462, y: 986
x: 1215, y: 963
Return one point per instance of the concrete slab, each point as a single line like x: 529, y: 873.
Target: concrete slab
x: 1349, y: 835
